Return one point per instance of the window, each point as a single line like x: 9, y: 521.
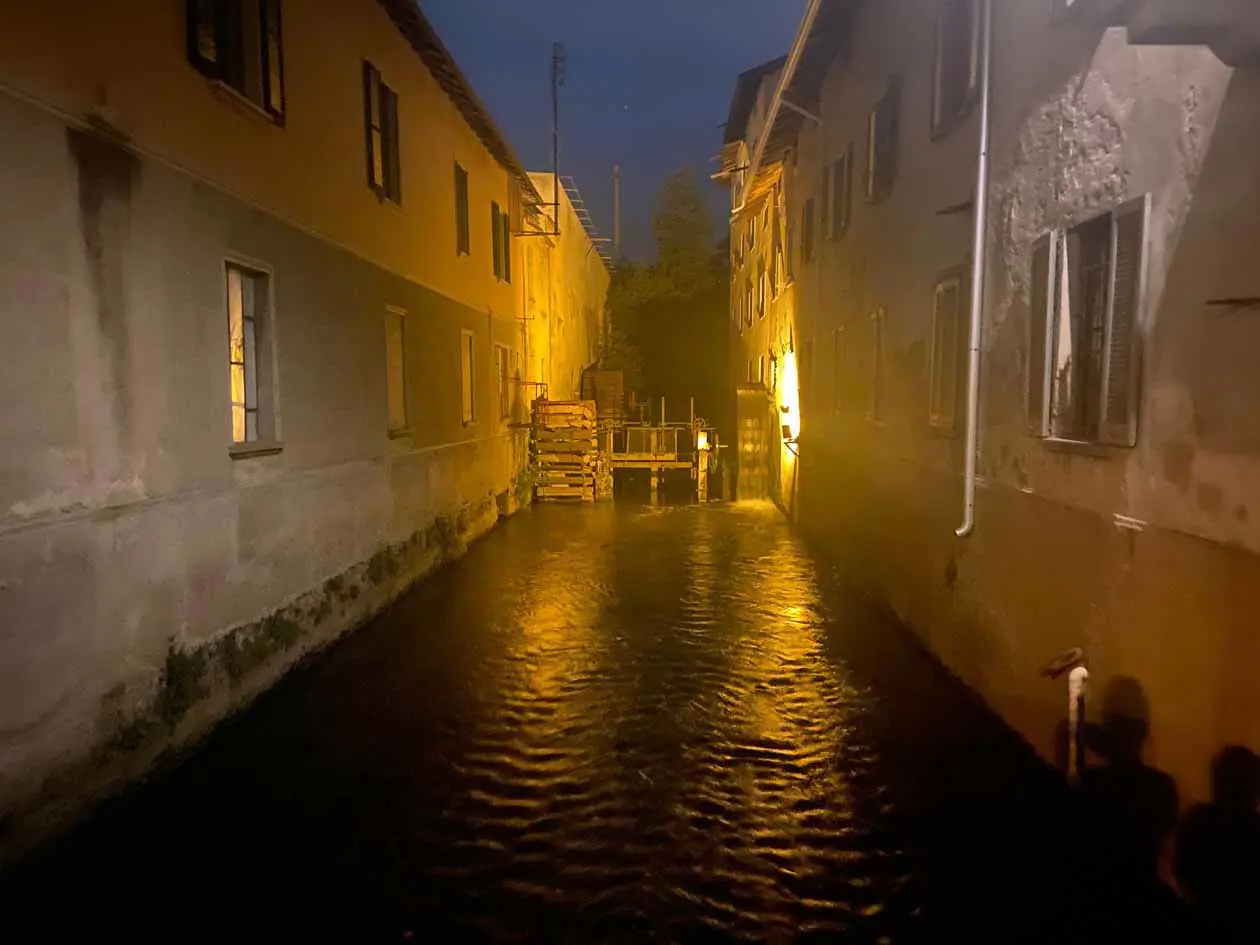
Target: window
x: 505, y: 224
x: 496, y: 238
x: 751, y: 375
x: 839, y: 356
x: 380, y: 113
x: 841, y: 193
x: 396, y: 369
x: 957, y: 72
x: 774, y: 372
x: 943, y: 369
x: 881, y: 144
x: 761, y: 288
x: 748, y: 301
x: 503, y: 374
x: 501, y: 237
x: 467, y: 374
x: 249, y: 355
x: 761, y: 369
x: 806, y: 372
x: 239, y: 43
x: 463, y: 241
x: 807, y: 231
x: 1084, y: 343
x: 879, y: 319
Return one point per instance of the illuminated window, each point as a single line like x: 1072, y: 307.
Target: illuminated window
x: 504, y: 381
x: 467, y: 375
x: 879, y: 319
x: 881, y: 144
x: 249, y: 355
x: 957, y: 74
x: 841, y: 192
x: 239, y: 43
x: 380, y: 111
x: 463, y: 239
x: 946, y: 351
x: 396, y: 369
x: 1085, y: 339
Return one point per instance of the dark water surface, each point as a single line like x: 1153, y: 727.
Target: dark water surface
x: 602, y: 725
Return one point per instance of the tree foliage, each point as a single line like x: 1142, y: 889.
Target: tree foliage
x: 669, y: 317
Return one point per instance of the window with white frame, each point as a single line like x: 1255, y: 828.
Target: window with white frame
x: 761, y: 369
x: 879, y: 327
x: 239, y: 43
x: 956, y: 77
x: 252, y: 395
x: 1086, y: 301
x: 748, y: 301
x: 881, y: 143
x: 396, y: 369
x: 947, y: 305
x: 468, y: 375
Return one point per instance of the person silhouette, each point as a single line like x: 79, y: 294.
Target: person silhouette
x: 1217, y: 856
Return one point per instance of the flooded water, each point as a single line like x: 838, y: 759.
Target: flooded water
x: 602, y: 725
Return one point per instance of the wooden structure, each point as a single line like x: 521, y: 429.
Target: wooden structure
x: 565, y: 450
x: 607, y: 389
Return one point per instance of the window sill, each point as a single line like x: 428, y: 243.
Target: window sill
x: 245, y: 104
x: 256, y: 448
x: 1076, y: 448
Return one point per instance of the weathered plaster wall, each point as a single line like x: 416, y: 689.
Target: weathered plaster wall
x: 569, y: 284
x: 149, y: 581
x: 1081, y: 125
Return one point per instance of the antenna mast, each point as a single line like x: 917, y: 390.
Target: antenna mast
x: 557, y: 80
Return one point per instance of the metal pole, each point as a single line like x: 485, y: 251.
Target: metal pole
x: 978, y: 247
x: 616, y: 211
x: 557, y: 79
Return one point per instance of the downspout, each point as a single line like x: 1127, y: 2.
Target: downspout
x: 785, y: 79
x: 978, y: 259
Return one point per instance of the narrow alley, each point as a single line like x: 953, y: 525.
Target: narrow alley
x: 603, y: 724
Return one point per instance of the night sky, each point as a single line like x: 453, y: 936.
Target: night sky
x: 649, y: 85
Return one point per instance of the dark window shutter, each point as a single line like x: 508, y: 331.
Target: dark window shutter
x: 1121, y: 374
x: 506, y: 221
x: 371, y: 103
x: 205, y: 37
x: 273, y: 57
x: 393, y: 165
x: 828, y: 183
x: 1038, y: 332
x: 496, y: 236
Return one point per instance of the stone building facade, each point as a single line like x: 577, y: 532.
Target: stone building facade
x: 260, y: 283
x: 1119, y: 390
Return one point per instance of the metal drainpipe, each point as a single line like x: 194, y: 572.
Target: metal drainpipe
x: 978, y: 259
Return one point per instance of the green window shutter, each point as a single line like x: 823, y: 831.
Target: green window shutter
x: 1121, y: 372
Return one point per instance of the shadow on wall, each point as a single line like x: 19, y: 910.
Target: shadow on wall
x: 1217, y: 859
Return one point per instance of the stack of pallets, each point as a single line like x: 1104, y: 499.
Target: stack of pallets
x: 565, y: 450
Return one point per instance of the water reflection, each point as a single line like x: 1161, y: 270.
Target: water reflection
x: 603, y: 725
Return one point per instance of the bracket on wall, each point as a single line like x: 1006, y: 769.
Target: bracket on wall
x: 1236, y: 304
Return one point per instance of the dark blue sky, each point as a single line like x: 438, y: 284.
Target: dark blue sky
x: 649, y: 84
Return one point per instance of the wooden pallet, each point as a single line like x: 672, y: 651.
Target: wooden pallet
x: 564, y: 450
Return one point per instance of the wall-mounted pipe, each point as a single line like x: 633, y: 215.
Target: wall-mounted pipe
x: 978, y: 259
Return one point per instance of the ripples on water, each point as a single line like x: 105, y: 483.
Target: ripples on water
x: 603, y: 725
